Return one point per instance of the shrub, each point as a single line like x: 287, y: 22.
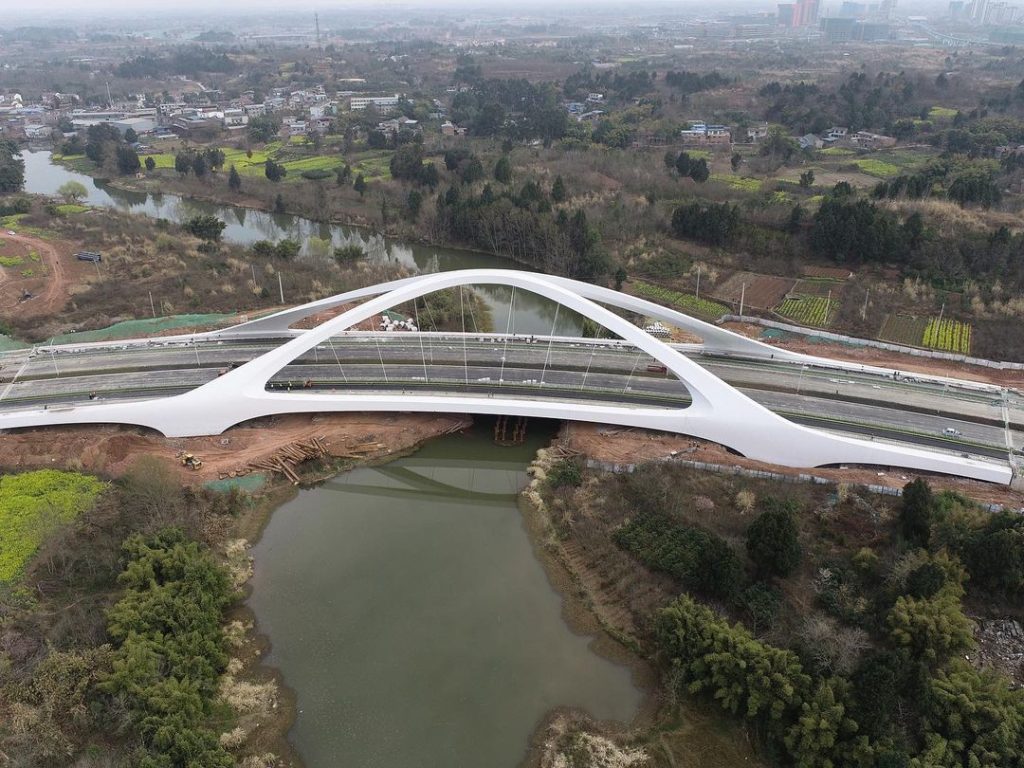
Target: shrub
x: 772, y: 540
x: 567, y: 472
x: 317, y: 174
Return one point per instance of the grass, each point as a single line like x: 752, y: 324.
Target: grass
x: 688, y: 303
x: 744, y: 183
x: 875, y: 167
x: 941, y: 113
x: 7, y: 344
x: 69, y: 208
x: 34, y: 503
x: 816, y: 311
x: 903, y: 329
x: 11, y: 261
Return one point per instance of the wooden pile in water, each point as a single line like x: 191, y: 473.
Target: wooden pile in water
x: 285, y: 459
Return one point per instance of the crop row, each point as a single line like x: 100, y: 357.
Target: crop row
x: 808, y: 310
x: 948, y: 335
x: 684, y: 301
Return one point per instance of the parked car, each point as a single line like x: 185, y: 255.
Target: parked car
x: 950, y: 432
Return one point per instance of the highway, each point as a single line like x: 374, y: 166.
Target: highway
x: 913, y: 409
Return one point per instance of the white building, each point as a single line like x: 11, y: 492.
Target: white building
x: 383, y: 104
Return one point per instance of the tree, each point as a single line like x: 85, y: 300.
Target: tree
x: 503, y: 170
x: 413, y: 203
x: 12, y: 168
x: 558, y: 191
x: 279, y: 204
x: 72, y: 191
x: 205, y: 227
x: 735, y: 161
x: 699, y: 171
x: 263, y: 129
x: 772, y: 540
x: 183, y: 163
x: 200, y: 166
x: 350, y: 252
x: 274, y: 171
x: 150, y: 164
x: 915, y: 513
x: 344, y: 174
x: 807, y: 179
x: 127, y: 160
x: 683, y: 164
x: 620, y: 277
x: 360, y: 185
x: 130, y: 136
x: 234, y: 180
x: 796, y: 217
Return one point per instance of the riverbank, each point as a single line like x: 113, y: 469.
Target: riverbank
x: 608, y: 606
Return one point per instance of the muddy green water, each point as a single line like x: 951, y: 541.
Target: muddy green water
x: 408, y: 611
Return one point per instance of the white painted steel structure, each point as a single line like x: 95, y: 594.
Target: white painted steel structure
x: 717, y: 413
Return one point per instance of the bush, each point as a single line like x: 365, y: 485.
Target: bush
x: 772, y: 540
x: 566, y: 473
x: 317, y: 174
x: 169, y: 648
x: 698, y: 559
x: 350, y: 252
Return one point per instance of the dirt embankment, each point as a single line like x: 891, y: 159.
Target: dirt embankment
x: 111, y: 450
x: 619, y: 445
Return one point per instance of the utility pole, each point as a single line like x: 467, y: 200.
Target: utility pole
x: 697, y: 295
x: 828, y: 305
x: 280, y: 287
x: 743, y: 296
x: 152, y: 306
x: 864, y: 309
x: 253, y: 268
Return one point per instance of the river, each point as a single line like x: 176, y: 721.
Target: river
x: 531, y: 314
x: 407, y: 609
x: 405, y: 604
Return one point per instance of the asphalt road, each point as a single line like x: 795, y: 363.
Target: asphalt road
x: 914, y: 410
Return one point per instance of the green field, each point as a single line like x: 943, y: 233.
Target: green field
x: 947, y: 335
x: 837, y: 152
x: 11, y: 261
x: 34, y: 503
x: 744, y: 183
x: 903, y: 329
x: 816, y: 311
x: 686, y: 302
x: 875, y: 167
x: 941, y: 113
x: 70, y: 208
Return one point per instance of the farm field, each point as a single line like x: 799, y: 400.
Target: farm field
x: 875, y: 167
x: 816, y: 311
x: 947, y: 335
x: 744, y: 183
x: 828, y: 273
x: 685, y: 302
x: 819, y: 287
x: 762, y: 291
x: 903, y: 329
x: 31, y: 504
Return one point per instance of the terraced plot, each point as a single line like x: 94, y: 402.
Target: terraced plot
x: 947, y: 335
x: 903, y: 329
x: 686, y: 302
x: 816, y: 311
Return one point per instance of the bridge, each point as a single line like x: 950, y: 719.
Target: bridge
x: 763, y: 402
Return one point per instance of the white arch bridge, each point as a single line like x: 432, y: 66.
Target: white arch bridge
x: 708, y: 408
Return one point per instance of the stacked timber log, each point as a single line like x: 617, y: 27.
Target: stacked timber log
x: 285, y: 459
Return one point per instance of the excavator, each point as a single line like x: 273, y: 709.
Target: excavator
x: 190, y: 461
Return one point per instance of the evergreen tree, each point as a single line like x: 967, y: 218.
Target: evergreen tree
x: 915, y: 514
x: 772, y: 540
x: 360, y: 185
x: 234, y: 180
x: 503, y: 170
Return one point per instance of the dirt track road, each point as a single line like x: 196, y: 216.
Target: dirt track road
x: 50, y: 290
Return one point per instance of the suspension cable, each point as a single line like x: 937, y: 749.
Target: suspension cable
x: 629, y: 378
x: 508, y: 327
x: 465, y: 353
x: 551, y: 339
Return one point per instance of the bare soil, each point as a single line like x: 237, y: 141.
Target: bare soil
x: 111, y: 450
x: 635, y: 446
x: 51, y: 279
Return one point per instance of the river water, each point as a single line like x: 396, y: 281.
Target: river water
x: 530, y: 314
x: 408, y: 611
x: 405, y: 604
